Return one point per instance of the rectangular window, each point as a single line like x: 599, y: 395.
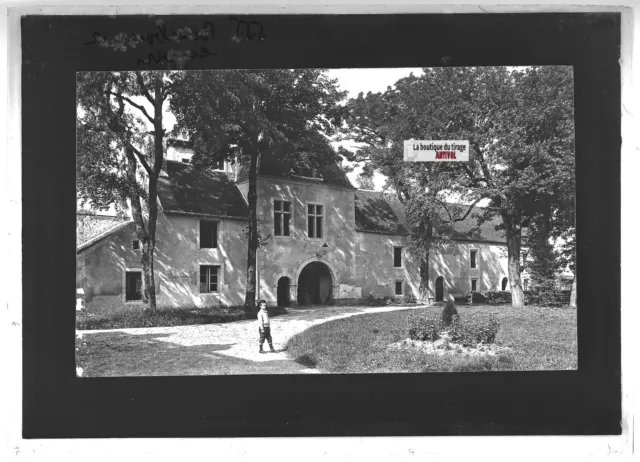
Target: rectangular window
x: 133, y: 283
x: 474, y: 254
x: 397, y: 257
x: 186, y: 160
x: 314, y: 220
x: 524, y: 259
x: 399, y: 285
x: 282, y: 218
x: 209, y: 279
x: 135, y: 245
x: 474, y: 285
x: 208, y: 234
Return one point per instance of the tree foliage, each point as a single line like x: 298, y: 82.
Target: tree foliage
x: 521, y: 163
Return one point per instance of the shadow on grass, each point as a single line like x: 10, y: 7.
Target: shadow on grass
x: 120, y: 354
x: 307, y: 360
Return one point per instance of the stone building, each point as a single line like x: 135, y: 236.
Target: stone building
x: 328, y: 243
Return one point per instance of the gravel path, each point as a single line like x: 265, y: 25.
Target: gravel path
x: 242, y: 336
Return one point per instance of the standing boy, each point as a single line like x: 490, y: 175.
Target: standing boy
x: 263, y: 326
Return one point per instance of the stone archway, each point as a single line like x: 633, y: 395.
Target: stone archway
x: 315, y: 283
x: 284, y: 291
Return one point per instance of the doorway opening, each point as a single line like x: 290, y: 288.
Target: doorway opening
x: 439, y: 289
x: 284, y: 284
x: 315, y: 285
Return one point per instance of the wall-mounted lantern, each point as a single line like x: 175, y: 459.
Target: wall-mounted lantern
x: 323, y: 250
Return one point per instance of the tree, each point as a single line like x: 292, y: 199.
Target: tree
x: 119, y: 114
x: 520, y: 128
x: 378, y: 123
x: 365, y: 181
x: 278, y: 118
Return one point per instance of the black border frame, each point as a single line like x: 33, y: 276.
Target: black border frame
x: 56, y: 404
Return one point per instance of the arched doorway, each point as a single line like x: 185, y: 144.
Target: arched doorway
x: 284, y: 284
x: 315, y: 285
x: 439, y: 289
x: 504, y: 283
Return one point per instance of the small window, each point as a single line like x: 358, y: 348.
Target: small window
x: 219, y: 165
x: 133, y: 283
x: 474, y: 254
x: 504, y: 284
x: 524, y: 259
x: 397, y: 257
x: 314, y: 220
x: 186, y: 160
x: 209, y: 279
x: 135, y: 244
x: 399, y: 285
x: 208, y: 234
x: 282, y: 218
x: 474, y: 285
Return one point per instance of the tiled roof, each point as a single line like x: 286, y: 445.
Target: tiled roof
x: 186, y: 190
x: 377, y: 213
x: 90, y: 225
x: 94, y: 240
x: 380, y: 213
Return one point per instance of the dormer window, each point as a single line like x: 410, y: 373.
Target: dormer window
x: 307, y: 172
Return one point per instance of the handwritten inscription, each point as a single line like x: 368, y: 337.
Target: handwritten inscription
x: 122, y: 41
x: 244, y: 31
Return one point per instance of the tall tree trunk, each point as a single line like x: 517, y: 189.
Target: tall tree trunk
x: 149, y: 246
x: 573, y: 301
x: 424, y: 269
x: 424, y: 280
x: 146, y: 250
x: 514, y: 235
x: 250, y: 296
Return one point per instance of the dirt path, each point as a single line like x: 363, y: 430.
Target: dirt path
x: 230, y: 348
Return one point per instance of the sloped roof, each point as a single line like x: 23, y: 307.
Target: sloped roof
x: 186, y: 190
x: 90, y: 225
x: 380, y: 213
x: 94, y: 240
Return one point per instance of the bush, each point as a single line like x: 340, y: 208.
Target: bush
x: 497, y: 297
x: 372, y: 300
x: 124, y: 319
x: 549, y: 297
x: 475, y: 329
x: 475, y: 297
x: 424, y: 328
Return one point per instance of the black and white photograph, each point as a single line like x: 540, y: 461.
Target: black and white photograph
x: 327, y: 223
x: 269, y: 221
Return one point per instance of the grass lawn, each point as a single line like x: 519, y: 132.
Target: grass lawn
x: 540, y: 339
